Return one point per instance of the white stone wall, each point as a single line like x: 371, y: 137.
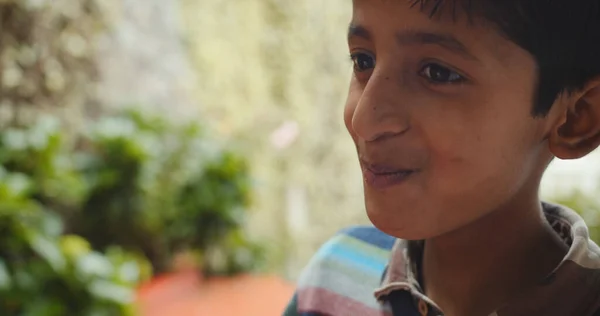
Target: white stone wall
x: 142, y: 59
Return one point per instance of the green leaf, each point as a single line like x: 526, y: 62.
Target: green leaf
x: 130, y: 272
x: 94, y: 264
x: 74, y: 246
x: 18, y: 184
x: 49, y: 250
x: 52, y: 225
x: 5, y: 279
x: 15, y: 140
x: 44, y: 306
x: 111, y: 291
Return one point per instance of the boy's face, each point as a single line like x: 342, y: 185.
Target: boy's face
x: 440, y: 112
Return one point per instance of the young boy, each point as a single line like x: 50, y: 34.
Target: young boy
x: 456, y: 109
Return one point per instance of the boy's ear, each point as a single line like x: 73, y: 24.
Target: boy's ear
x: 578, y: 131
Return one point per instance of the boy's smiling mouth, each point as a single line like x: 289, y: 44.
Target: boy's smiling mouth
x: 381, y: 176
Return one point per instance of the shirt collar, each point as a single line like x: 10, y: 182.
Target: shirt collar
x: 583, y: 258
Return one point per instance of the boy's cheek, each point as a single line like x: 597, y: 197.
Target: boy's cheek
x: 348, y: 114
x: 350, y: 109
x: 471, y: 169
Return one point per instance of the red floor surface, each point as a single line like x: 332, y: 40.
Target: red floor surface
x: 186, y: 294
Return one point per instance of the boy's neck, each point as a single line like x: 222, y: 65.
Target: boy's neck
x: 475, y: 270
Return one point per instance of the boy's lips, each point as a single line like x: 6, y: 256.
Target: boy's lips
x: 382, y: 176
x: 381, y: 169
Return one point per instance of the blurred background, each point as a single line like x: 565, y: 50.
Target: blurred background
x: 180, y: 157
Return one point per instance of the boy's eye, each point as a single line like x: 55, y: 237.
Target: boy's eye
x: 440, y: 74
x: 362, y: 62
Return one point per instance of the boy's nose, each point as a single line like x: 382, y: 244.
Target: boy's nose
x: 380, y: 112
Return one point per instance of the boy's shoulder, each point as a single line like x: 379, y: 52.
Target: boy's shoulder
x: 369, y: 235
x: 341, y: 277
x: 359, y: 246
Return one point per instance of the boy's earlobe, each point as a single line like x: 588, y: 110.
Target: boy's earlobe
x: 578, y: 133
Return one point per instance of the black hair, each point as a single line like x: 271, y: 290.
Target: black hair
x: 563, y: 36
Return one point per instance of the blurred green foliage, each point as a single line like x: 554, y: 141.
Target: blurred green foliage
x: 161, y: 188
x: 82, y: 213
x: 587, y: 206
x: 43, y: 272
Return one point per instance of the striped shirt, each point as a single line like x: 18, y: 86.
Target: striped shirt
x: 362, y: 271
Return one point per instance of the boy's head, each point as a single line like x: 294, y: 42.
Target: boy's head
x: 457, y: 107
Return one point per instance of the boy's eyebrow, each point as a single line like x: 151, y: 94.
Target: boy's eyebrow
x: 412, y: 37
x: 446, y: 41
x: 358, y: 31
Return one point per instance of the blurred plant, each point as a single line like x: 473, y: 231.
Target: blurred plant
x: 587, y: 206
x: 142, y: 183
x: 163, y: 189
x: 43, y: 272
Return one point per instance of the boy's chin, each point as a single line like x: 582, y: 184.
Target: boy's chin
x: 403, y: 226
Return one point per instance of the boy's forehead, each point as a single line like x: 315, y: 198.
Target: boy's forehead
x: 429, y: 7
x: 457, y: 29
x: 451, y: 11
